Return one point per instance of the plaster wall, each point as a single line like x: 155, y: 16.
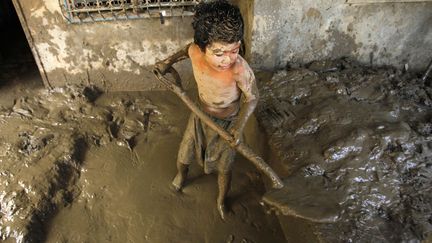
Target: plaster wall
x: 118, y: 55
x: 247, y: 11
x: 112, y: 55
x: 288, y: 31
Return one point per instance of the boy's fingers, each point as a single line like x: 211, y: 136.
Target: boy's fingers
x: 161, y: 67
x: 236, y: 135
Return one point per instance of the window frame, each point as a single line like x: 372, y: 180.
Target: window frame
x: 90, y: 11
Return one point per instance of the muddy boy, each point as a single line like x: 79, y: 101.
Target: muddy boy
x: 227, y: 92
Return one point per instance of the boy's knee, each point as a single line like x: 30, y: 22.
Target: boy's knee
x: 183, y: 163
x: 225, y: 167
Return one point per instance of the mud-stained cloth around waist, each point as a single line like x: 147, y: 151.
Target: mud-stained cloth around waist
x: 211, y: 151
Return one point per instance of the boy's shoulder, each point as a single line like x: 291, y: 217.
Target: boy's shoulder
x: 194, y: 51
x: 242, y: 68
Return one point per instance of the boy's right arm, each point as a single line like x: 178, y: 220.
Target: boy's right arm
x: 164, y: 65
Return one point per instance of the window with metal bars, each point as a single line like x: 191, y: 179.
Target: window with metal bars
x: 82, y: 11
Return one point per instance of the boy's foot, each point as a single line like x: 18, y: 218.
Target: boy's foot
x: 222, y: 210
x: 177, y: 183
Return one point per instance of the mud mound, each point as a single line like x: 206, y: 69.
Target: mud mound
x: 43, y: 140
x: 356, y: 136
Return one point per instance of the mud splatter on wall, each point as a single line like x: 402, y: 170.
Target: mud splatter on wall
x: 112, y: 55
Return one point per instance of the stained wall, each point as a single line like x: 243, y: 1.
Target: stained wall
x: 289, y: 31
x: 118, y: 55
x: 113, y: 55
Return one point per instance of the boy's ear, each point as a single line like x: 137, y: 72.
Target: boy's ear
x: 242, y: 50
x: 203, y: 50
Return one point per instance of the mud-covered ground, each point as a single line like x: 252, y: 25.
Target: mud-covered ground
x: 77, y: 165
x: 354, y: 146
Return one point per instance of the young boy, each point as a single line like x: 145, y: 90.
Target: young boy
x: 222, y: 77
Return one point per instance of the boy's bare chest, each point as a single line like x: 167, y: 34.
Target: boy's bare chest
x: 218, y: 82
x: 216, y: 89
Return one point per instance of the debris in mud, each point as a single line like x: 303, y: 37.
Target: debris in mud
x: 43, y: 140
x: 356, y: 137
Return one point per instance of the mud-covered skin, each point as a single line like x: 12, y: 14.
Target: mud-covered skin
x: 163, y: 65
x: 357, y: 139
x: 222, y: 77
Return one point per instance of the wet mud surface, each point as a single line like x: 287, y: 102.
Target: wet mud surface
x: 354, y: 146
x: 77, y: 165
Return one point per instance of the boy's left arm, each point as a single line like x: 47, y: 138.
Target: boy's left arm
x: 247, y: 84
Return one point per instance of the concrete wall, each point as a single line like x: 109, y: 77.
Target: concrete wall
x: 302, y: 31
x: 112, y: 55
x: 118, y: 55
x: 247, y: 10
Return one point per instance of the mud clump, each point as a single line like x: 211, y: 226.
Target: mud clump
x: 356, y: 136
x: 43, y: 140
x: 32, y: 190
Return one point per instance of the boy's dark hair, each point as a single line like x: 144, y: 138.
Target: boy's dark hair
x: 217, y: 21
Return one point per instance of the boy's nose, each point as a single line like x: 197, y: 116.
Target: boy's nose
x: 226, y: 60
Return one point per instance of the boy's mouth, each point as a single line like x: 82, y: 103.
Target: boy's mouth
x: 225, y: 66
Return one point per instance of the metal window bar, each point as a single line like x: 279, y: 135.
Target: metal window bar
x: 88, y: 12
x: 111, y: 10
x: 83, y: 11
x: 98, y: 6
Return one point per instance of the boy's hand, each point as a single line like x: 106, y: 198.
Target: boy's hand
x: 237, y: 134
x: 162, y: 67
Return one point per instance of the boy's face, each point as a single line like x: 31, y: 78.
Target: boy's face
x: 221, y: 56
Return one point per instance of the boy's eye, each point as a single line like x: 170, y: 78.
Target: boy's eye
x: 218, y: 54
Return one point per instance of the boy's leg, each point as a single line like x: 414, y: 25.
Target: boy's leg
x: 224, y: 178
x: 180, y: 178
x: 185, y: 154
x: 224, y: 184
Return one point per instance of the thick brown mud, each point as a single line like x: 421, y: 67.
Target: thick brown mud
x: 354, y: 146
x: 77, y: 165
x: 352, y: 143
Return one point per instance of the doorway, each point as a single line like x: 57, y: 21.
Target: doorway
x: 18, y: 69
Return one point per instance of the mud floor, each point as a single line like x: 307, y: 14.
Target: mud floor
x: 77, y: 165
x: 354, y: 146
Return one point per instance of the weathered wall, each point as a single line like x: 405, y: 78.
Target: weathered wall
x: 247, y: 11
x: 112, y: 55
x: 302, y: 31
x: 118, y: 55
